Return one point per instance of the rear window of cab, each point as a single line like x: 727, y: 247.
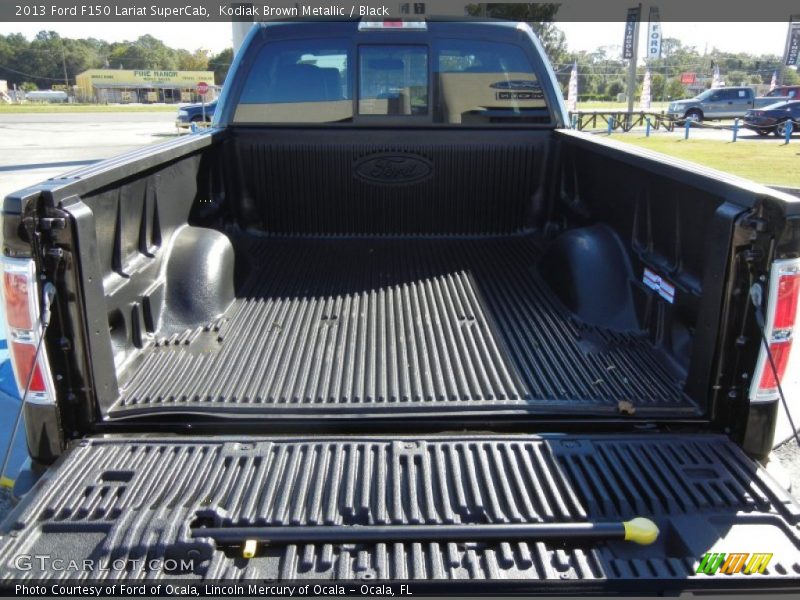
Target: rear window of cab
x: 448, y: 82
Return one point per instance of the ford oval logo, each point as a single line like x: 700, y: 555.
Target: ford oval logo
x: 393, y: 168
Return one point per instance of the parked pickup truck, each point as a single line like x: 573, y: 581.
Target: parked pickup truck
x: 782, y: 93
x: 714, y: 103
x: 401, y: 325
x: 726, y: 103
x: 195, y: 113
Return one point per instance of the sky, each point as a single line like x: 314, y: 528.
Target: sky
x: 755, y: 38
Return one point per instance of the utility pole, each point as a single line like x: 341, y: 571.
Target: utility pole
x: 64, y: 65
x: 632, y: 65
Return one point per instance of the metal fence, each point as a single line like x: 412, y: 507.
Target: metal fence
x: 620, y: 120
x: 624, y: 121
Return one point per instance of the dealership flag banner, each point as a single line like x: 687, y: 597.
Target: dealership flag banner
x: 572, y: 90
x: 630, y: 29
x: 654, y: 34
x: 793, y: 44
x: 774, y: 83
x: 646, y: 91
x: 716, y: 79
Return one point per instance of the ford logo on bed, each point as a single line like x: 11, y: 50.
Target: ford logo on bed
x: 393, y: 168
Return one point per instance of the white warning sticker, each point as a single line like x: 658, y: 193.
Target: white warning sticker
x: 659, y: 285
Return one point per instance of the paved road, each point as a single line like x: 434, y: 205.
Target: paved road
x: 34, y: 147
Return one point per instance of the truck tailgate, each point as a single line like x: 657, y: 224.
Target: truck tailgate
x: 129, y: 504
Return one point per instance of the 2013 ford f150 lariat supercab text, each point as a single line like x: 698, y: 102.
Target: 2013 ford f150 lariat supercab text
x: 389, y: 319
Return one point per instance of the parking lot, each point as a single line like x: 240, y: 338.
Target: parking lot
x: 34, y: 147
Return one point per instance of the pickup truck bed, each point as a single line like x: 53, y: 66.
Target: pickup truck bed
x: 228, y: 282
x: 412, y: 325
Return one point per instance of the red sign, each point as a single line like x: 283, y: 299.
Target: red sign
x: 688, y: 78
x: 202, y: 88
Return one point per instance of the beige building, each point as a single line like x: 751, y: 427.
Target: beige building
x: 121, y: 86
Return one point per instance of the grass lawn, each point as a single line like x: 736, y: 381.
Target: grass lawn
x: 32, y: 107
x: 768, y: 161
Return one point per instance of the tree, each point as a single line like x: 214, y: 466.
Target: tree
x: 735, y: 78
x: 675, y: 89
x: 616, y: 87
x: 657, y: 82
x: 790, y: 76
x: 195, y: 61
x: 145, y: 53
x: 538, y: 16
x: 220, y: 63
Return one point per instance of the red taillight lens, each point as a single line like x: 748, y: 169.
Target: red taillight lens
x: 781, y: 319
x: 18, y: 312
x: 780, y: 355
x: 24, y: 356
x: 786, y: 306
x: 21, y: 302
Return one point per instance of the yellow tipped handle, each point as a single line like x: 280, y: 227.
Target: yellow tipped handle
x: 640, y: 531
x: 249, y: 549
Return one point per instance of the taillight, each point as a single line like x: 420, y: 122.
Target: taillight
x: 18, y: 309
x: 786, y: 308
x: 781, y: 319
x: 21, y: 301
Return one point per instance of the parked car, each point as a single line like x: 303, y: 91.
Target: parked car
x: 784, y: 93
x: 401, y: 325
x: 715, y: 103
x: 194, y: 113
x: 774, y: 118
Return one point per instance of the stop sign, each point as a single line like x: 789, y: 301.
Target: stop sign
x: 202, y: 88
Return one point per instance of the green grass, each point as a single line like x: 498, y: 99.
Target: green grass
x: 83, y: 108
x: 769, y: 161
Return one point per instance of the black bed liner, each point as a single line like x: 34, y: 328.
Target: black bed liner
x: 123, y: 498
x: 331, y: 326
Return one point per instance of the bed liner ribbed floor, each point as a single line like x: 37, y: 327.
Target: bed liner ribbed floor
x: 330, y: 326
x: 123, y: 498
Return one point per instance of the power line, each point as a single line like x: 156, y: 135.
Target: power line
x: 31, y: 76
